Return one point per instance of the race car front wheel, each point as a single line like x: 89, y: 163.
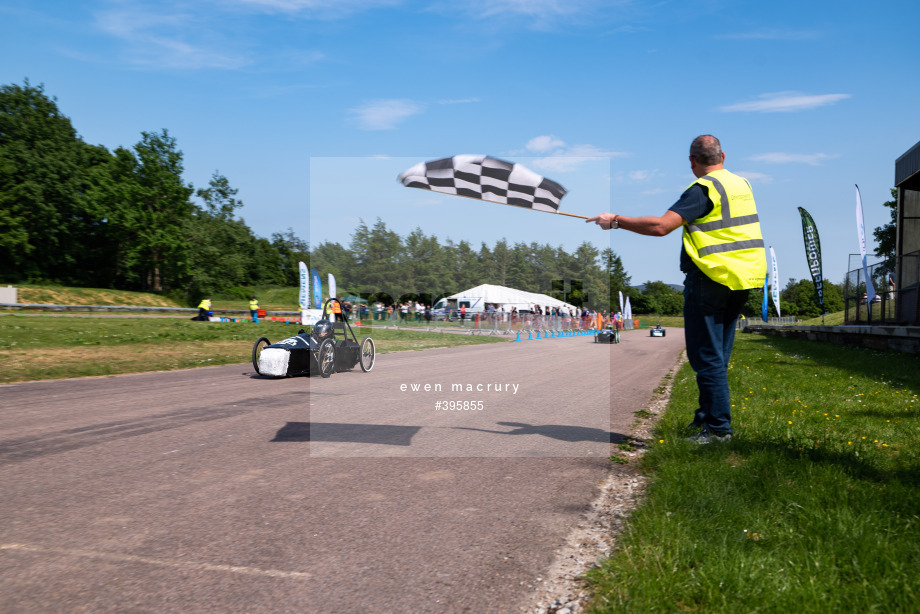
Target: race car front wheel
x: 260, y: 345
x: 368, y: 352
x: 326, y: 358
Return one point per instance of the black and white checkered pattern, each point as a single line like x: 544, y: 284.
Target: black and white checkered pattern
x: 488, y: 179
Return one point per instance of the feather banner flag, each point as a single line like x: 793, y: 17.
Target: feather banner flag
x: 774, y: 282
x: 317, y: 290
x: 764, y: 306
x: 332, y: 288
x: 813, y: 254
x: 621, y: 302
x: 304, y: 298
x: 490, y: 179
x: 861, y: 231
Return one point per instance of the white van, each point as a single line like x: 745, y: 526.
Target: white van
x: 449, y: 308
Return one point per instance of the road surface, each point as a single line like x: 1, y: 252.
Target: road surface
x: 216, y: 490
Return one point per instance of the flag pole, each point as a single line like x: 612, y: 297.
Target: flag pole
x: 483, y: 200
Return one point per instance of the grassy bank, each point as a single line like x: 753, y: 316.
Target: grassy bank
x: 34, y: 347
x: 814, y: 506
x: 270, y: 298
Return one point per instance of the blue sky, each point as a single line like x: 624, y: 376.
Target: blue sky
x: 312, y: 107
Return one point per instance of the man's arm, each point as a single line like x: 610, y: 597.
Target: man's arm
x: 650, y: 225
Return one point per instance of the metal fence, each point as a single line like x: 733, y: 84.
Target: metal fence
x: 860, y: 308
x: 500, y: 323
x: 773, y: 321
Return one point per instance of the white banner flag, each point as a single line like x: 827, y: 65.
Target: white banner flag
x: 627, y: 310
x: 621, y: 302
x: 774, y: 282
x: 303, y: 298
x: 861, y: 231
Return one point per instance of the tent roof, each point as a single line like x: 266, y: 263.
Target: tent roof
x: 510, y: 297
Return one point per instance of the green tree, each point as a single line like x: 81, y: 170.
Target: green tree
x: 659, y: 298
x: 43, y: 218
x: 619, y: 278
x: 149, y: 208
x: 886, y: 236
x: 377, y: 253
x: 331, y: 258
x: 221, y: 248
x: 279, y: 262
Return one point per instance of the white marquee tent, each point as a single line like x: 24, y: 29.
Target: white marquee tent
x: 487, y: 294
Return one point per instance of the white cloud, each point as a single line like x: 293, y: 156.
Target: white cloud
x: 317, y: 9
x: 538, y: 14
x: 459, y: 101
x: 755, y: 177
x: 384, y: 114
x: 570, y: 158
x: 562, y: 157
x: 642, y: 175
x: 164, y: 39
x: 783, y: 158
x: 544, y: 143
x: 783, y: 102
x: 773, y: 35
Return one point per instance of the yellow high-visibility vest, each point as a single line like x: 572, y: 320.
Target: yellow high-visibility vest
x: 204, y: 304
x: 727, y: 244
x: 253, y: 305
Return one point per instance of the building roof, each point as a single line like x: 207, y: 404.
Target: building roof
x: 907, y: 169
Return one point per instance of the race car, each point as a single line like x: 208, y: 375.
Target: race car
x: 325, y: 349
x: 607, y: 335
x: 657, y: 331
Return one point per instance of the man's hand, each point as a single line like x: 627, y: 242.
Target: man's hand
x: 604, y: 220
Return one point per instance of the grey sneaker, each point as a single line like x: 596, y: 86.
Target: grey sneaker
x: 704, y: 437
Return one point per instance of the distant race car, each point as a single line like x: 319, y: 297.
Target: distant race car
x: 607, y: 335
x: 320, y: 351
x: 657, y: 331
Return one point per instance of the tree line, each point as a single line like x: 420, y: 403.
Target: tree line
x: 81, y: 215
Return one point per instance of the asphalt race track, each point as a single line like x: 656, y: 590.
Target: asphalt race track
x: 216, y: 490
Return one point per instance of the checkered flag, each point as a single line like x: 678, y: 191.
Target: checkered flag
x: 485, y: 178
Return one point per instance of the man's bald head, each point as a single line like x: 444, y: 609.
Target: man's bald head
x: 706, y: 150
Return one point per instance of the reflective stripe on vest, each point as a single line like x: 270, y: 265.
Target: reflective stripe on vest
x: 727, y: 244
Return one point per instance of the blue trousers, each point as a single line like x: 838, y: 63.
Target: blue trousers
x: 710, y: 313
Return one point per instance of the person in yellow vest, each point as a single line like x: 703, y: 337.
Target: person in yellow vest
x: 254, y: 309
x: 332, y: 307
x: 203, y: 308
x: 723, y: 258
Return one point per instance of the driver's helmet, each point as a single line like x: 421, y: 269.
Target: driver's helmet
x: 322, y: 330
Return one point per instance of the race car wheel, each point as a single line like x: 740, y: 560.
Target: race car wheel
x: 326, y: 358
x: 260, y: 345
x: 368, y: 353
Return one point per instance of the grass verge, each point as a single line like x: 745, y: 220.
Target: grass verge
x: 814, y: 506
x: 36, y: 347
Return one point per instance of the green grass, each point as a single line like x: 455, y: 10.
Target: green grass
x: 814, y: 506
x: 34, y: 347
x: 830, y: 319
x: 647, y: 321
x: 270, y: 298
